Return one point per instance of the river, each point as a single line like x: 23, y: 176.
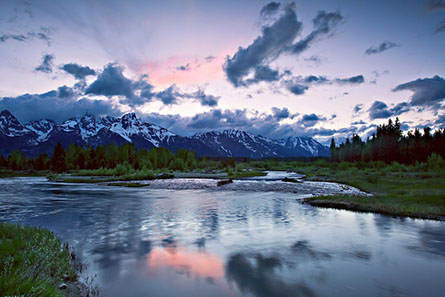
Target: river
x: 199, y: 241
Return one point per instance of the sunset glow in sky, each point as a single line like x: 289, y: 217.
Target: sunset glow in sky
x: 317, y: 68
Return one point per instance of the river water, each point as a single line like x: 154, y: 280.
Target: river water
x: 175, y: 241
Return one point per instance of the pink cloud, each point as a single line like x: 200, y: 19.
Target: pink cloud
x: 199, y: 70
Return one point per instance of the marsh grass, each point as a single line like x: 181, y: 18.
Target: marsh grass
x: 32, y: 262
x: 415, y: 191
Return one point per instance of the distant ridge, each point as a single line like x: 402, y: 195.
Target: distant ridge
x: 41, y: 136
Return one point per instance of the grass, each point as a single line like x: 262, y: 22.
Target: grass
x: 397, y: 190
x: 129, y: 185
x: 32, y: 262
x: 135, y: 175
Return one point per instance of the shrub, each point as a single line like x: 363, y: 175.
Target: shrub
x: 435, y: 163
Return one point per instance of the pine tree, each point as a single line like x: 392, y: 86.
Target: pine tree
x: 58, y: 159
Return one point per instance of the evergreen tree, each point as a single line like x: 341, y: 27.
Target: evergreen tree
x: 58, y: 163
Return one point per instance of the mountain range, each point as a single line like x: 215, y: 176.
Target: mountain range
x: 41, y: 136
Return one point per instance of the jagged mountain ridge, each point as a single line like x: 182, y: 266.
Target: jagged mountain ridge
x: 41, y: 136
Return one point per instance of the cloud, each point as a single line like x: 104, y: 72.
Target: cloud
x: 296, y: 88
x: 111, y: 82
x: 428, y: 92
x: 324, y: 23
x: 262, y: 73
x: 79, y: 72
x: 274, y: 39
x: 312, y: 79
x: 281, y: 114
x: 185, y: 67
x: 379, y: 110
x: 298, y: 85
x: 57, y: 105
x: 44, y: 34
x: 270, y: 9
x: 436, y: 4
x: 358, y: 108
x: 169, y: 96
x: 358, y: 79
x: 47, y: 64
x: 440, y: 28
x: 205, y: 99
x: 384, y: 46
x: 209, y: 59
x: 310, y: 120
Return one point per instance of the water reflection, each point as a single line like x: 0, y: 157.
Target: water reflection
x: 150, y: 242
x: 259, y: 275
x: 192, y: 264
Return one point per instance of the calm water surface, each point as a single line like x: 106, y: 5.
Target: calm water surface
x: 157, y: 242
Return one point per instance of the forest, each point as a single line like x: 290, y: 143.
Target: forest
x: 388, y: 144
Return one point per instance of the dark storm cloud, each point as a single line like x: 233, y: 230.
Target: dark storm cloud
x: 55, y: 105
x: 440, y: 28
x: 269, y: 45
x: 111, y: 82
x: 270, y: 9
x: 384, y: 46
x: 436, y: 4
x: 47, y: 64
x: 427, y: 92
x: 324, y: 24
x: 79, y: 72
x: 274, y: 40
x: 379, y: 110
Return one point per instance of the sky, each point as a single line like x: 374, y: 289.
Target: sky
x: 325, y: 69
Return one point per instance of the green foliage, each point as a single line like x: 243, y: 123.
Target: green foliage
x: 435, y: 163
x: 58, y: 163
x: 32, y: 262
x: 389, y: 145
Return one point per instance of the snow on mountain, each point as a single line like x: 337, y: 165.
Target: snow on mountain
x: 10, y: 126
x: 42, y: 128
x: 308, y: 144
x: 41, y: 136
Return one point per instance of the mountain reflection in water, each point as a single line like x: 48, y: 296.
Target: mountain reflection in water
x: 153, y: 242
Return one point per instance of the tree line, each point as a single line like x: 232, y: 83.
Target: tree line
x: 108, y: 156
x: 388, y: 144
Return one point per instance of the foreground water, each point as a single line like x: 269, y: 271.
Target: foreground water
x: 164, y: 242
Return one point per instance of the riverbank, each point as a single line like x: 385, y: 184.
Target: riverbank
x: 396, y: 190
x: 33, y: 262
